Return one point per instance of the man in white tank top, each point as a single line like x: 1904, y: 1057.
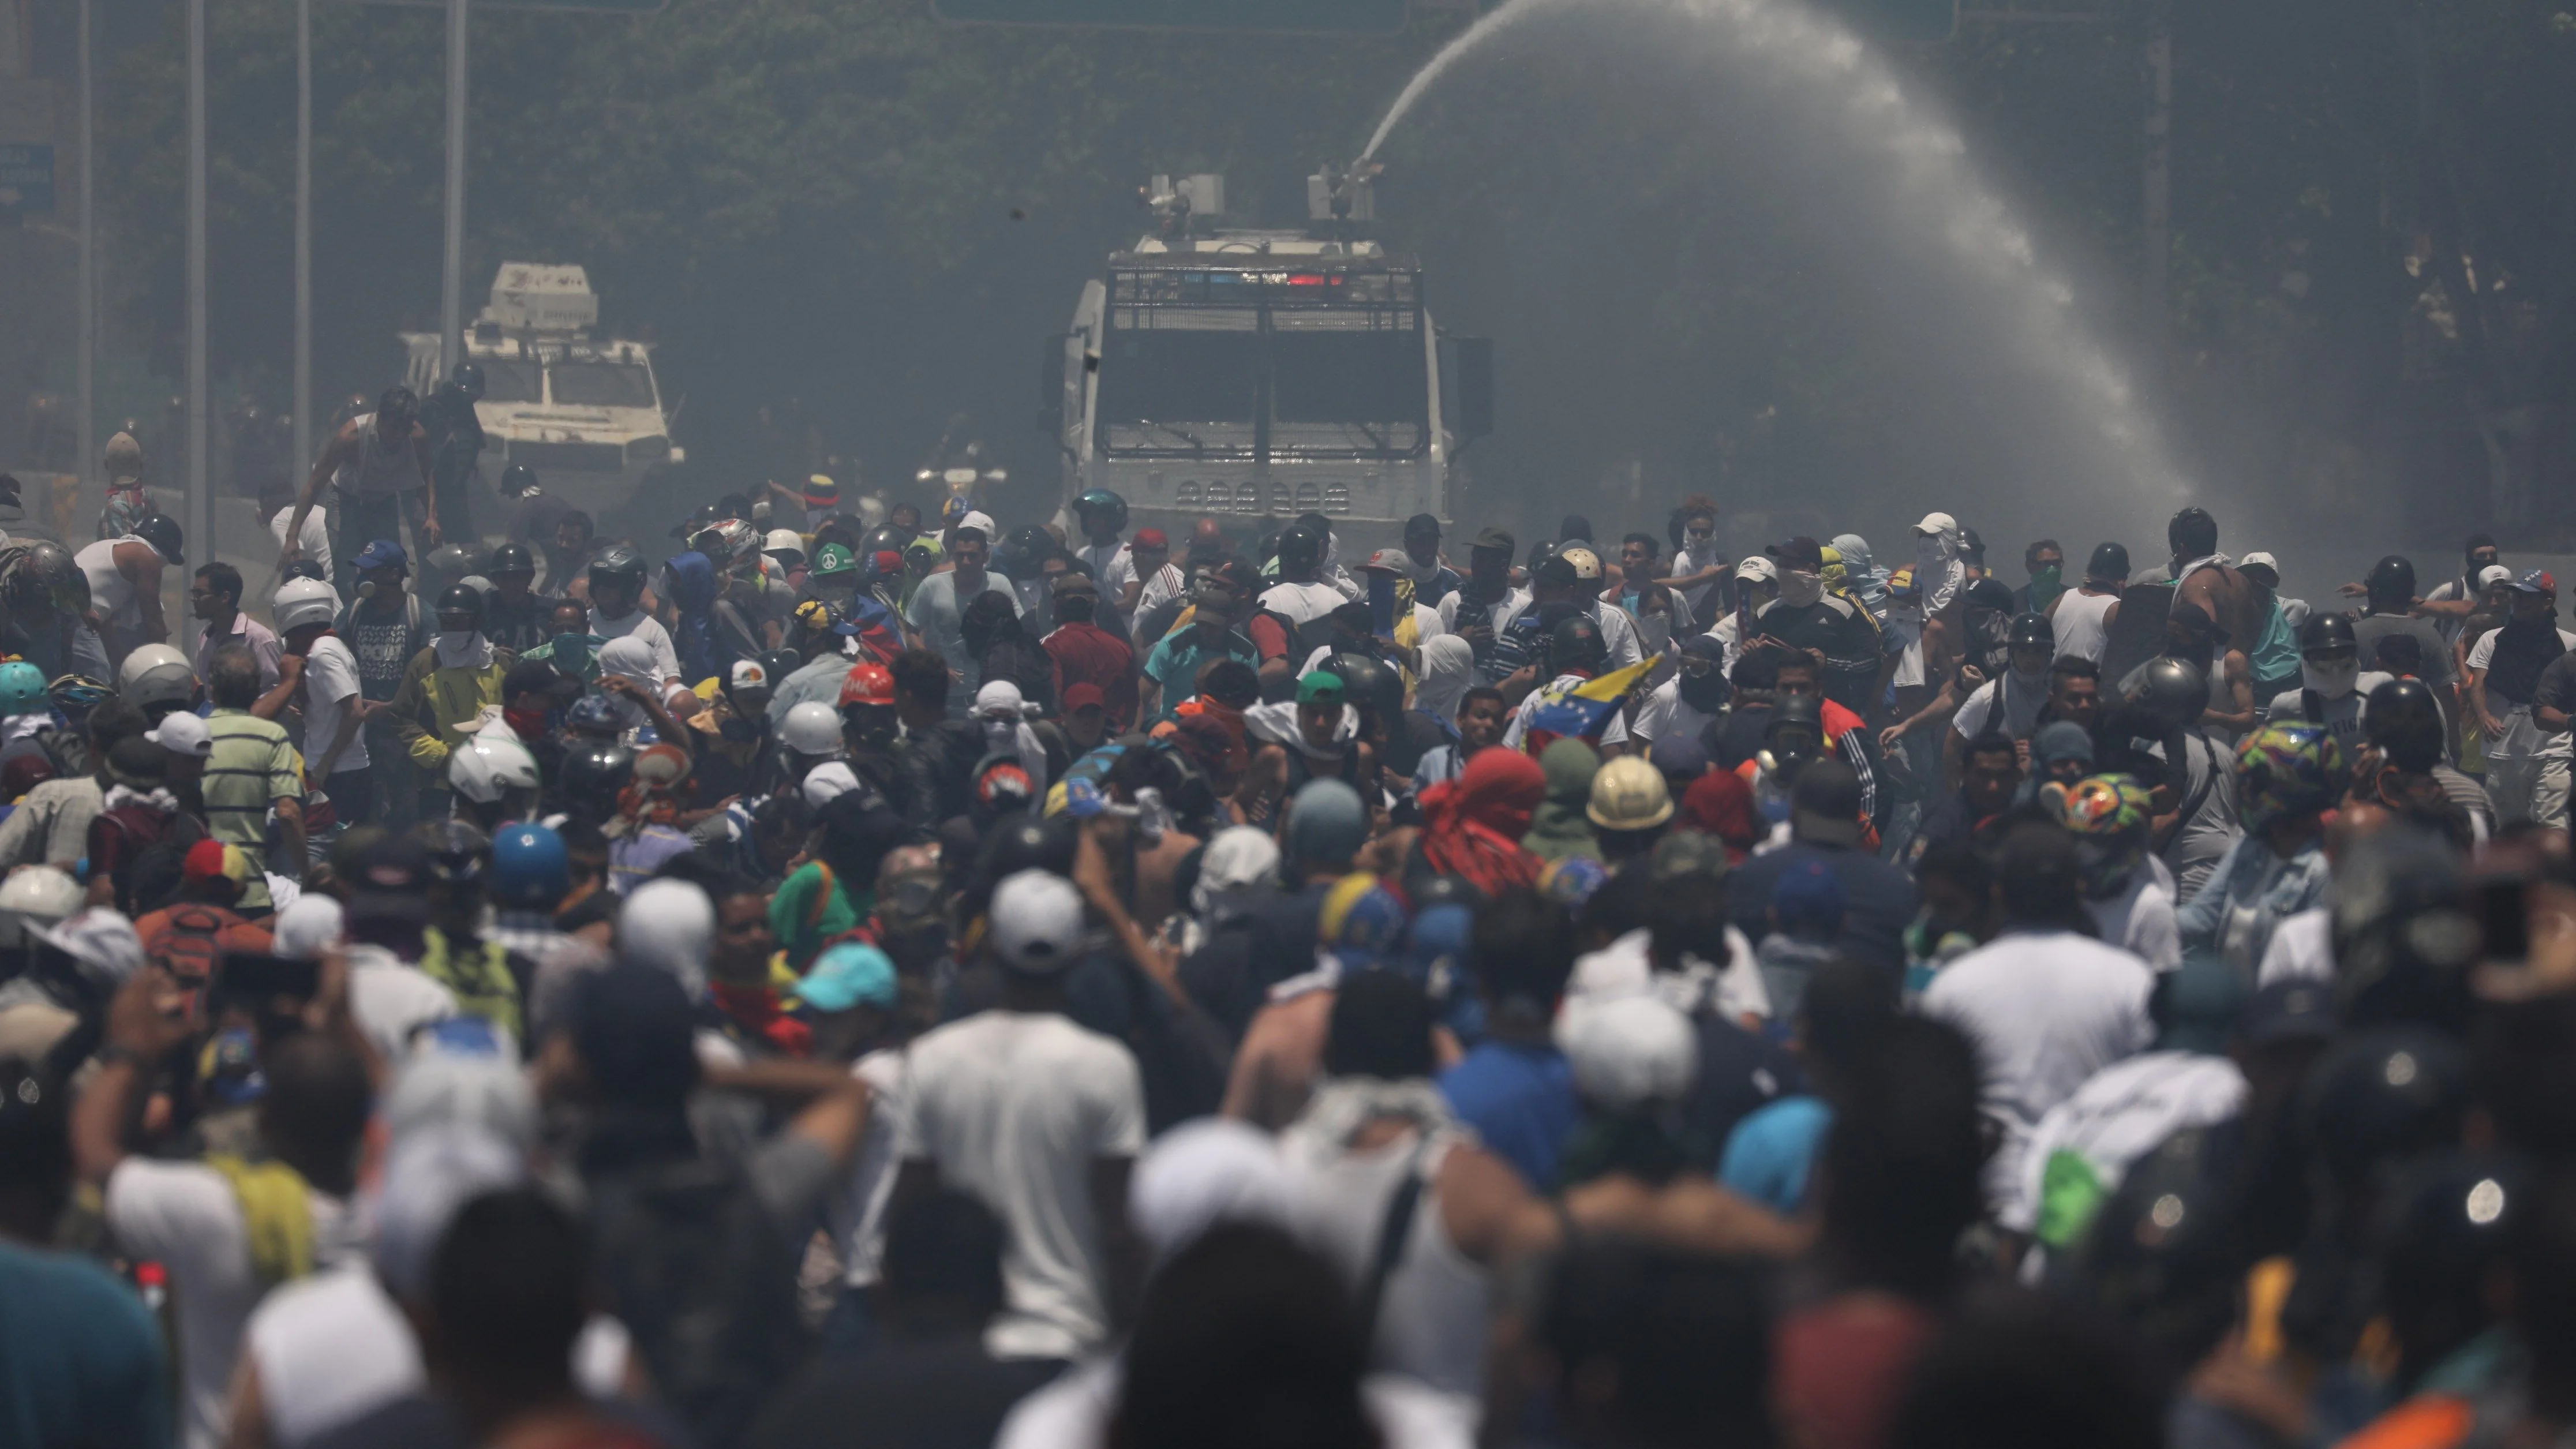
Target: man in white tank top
x: 125, y: 584
x: 2083, y: 614
x: 380, y: 467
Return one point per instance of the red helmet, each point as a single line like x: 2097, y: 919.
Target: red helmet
x: 868, y: 682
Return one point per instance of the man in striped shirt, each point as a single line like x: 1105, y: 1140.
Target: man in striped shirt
x: 250, y: 770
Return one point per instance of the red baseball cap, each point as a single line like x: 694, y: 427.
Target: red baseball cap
x: 1152, y: 538
x: 1083, y: 696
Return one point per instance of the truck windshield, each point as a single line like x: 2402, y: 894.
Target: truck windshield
x: 510, y: 380
x: 1180, y: 377
x: 603, y: 384
x: 1347, y: 377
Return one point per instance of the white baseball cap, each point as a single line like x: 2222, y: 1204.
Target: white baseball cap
x: 1937, y: 523
x: 182, y: 733
x: 1758, y: 567
x: 2259, y: 559
x: 1037, y: 921
x: 2494, y: 574
x: 983, y: 521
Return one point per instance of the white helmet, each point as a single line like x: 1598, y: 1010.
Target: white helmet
x: 482, y: 769
x: 784, y: 540
x: 301, y: 602
x: 156, y: 674
x: 812, y: 728
x: 40, y: 893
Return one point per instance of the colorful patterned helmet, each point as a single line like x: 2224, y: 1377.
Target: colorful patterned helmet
x: 2284, y: 770
x: 2107, y: 805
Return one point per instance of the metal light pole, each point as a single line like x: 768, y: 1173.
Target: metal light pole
x: 2157, y: 203
x: 85, y: 419
x: 451, y: 315
x: 303, y: 400
x: 200, y: 464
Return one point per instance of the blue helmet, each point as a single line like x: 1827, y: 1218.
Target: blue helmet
x: 22, y: 688
x: 530, y: 868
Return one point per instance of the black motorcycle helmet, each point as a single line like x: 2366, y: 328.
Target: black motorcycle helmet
x: 2326, y: 634
x: 518, y: 481
x: 2160, y: 1255
x: 2175, y: 690
x: 162, y: 532
x: 1100, y: 506
x: 2110, y: 564
x: 2442, y: 1229
x: 1574, y: 642
x: 2380, y: 1099
x: 780, y: 663
x: 1024, y: 843
x: 460, y: 599
x: 1024, y: 552
x: 620, y: 568
x: 1300, y: 548
x: 2404, y: 720
x: 2032, y: 631
x: 594, y: 774
x: 511, y: 558
x: 468, y: 378
x: 2391, y: 579
x: 1368, y: 682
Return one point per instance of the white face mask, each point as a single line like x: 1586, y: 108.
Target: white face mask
x: 1798, y: 590
x: 2330, y: 681
x: 456, y: 641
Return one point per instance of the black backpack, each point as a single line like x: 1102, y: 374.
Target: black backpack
x: 696, y: 1268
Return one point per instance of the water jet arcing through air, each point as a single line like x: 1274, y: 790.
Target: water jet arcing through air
x: 1833, y: 90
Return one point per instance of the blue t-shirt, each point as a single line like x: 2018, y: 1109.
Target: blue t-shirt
x: 1175, y: 663
x: 1520, y: 1100
x: 80, y: 1358
x: 1771, y: 1154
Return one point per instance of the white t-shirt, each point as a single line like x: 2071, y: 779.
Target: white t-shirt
x: 2301, y: 949
x: 2140, y: 920
x: 1687, y: 562
x: 1626, y: 967
x: 390, y: 1000
x: 1496, y: 616
x: 1664, y: 713
x: 330, y: 687
x: 2119, y: 1115
x: 1613, y: 733
x: 330, y: 1349
x: 940, y: 616
x: 2045, y: 1010
x: 184, y: 1216
x: 1017, y: 1108
x: 2020, y: 713
x: 313, y: 543
x: 859, y: 1204
x: 1302, y: 604
x: 1618, y: 634
x: 645, y: 627
x: 2343, y: 717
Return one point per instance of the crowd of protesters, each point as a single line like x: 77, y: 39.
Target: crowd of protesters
x: 859, y: 975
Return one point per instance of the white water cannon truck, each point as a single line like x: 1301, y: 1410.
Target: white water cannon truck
x: 1265, y: 374
x: 579, y: 406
